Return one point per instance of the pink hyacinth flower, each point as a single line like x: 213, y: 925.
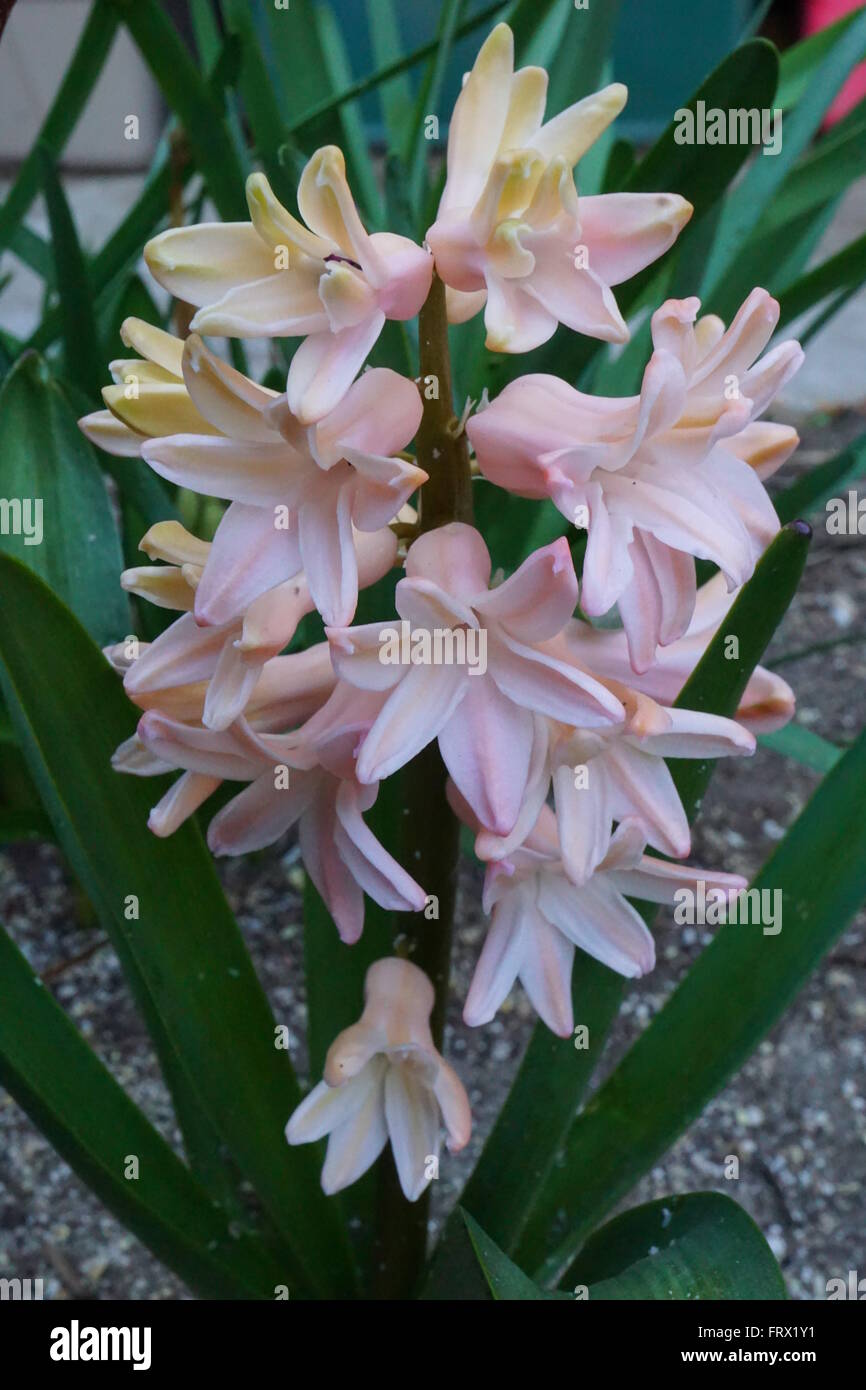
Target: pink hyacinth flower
x: 511, y: 232
x: 305, y: 778
x: 658, y: 478
x: 297, y: 491
x: 257, y: 623
x: 485, y: 721
x: 329, y: 281
x: 385, y: 1081
x: 539, y: 916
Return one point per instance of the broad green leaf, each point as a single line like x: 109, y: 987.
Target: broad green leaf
x: 260, y: 98
x: 508, y: 1190
x: 502, y: 1278
x: 91, y: 1122
x: 192, y: 100
x: 804, y: 746
x: 184, y: 943
x: 80, y: 78
x: 697, y: 1246
x: 747, y: 202
x: 50, y: 471
x: 81, y: 348
x: 737, y: 989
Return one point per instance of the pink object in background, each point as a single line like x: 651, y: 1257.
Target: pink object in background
x: 817, y: 15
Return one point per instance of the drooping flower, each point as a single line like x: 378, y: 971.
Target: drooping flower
x: 658, y: 478
x: 539, y: 916
x: 385, y: 1081
x: 329, y: 281
x: 298, y: 493
x: 289, y: 690
x: 511, y: 231
x: 486, y: 720
x: 229, y: 655
x: 304, y: 778
x: 603, y: 776
x: 767, y: 703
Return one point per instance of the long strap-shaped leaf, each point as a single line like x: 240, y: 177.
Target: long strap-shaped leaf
x: 91, y: 1122
x: 508, y: 1198
x: 72, y: 96
x: 69, y: 712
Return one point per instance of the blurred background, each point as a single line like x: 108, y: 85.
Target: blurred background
x: 796, y: 1115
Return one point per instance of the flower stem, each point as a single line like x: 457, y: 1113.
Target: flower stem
x: 431, y: 838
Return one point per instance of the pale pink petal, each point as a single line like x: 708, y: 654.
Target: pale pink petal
x: 487, y: 746
x: 415, y: 713
x: 342, y: 896
x: 545, y: 973
x: 600, y: 921
x: 583, y: 817
x: 412, y: 1116
x: 326, y: 1107
x: 326, y: 364
x: 540, y: 682
x: 184, y: 797
x: 259, y: 474
x: 454, y: 554
x: 357, y: 655
x: 260, y: 814
x: 646, y: 791
x: 541, y: 596
x: 370, y: 864
x: 328, y: 553
x: 500, y: 960
x: 354, y: 1146
x: 249, y: 555
x: 379, y: 414
x: 624, y: 232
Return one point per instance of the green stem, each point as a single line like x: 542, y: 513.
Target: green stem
x: 432, y: 835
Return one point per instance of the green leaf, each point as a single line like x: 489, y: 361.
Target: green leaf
x: 354, y: 135
x: 192, y: 100
x: 718, y: 682
x: 395, y: 97
x: 82, y: 352
x: 69, y: 712
x: 845, y: 271
x: 697, y: 1246
x: 801, y: 62
x: 80, y: 78
x: 95, y: 1127
x: 747, y: 202
x: 810, y: 494
x: 47, y: 463
x: 738, y: 988
x: 415, y: 147
x: 512, y: 1201
x: 503, y: 1278
x: 804, y: 746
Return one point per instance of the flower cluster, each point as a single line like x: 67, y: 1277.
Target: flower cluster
x: 555, y: 743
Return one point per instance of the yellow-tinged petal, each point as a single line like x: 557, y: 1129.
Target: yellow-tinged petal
x: 170, y: 541
x: 478, y: 120
x: 156, y: 409
x: 158, y: 347
x: 347, y: 297
x: 276, y: 225
x: 200, y: 264
x: 573, y: 131
x: 107, y: 432
x: 327, y: 205
x: 163, y: 585
x: 130, y: 369
x: 233, y: 404
x: 525, y: 109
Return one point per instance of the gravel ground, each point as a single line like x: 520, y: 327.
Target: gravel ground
x: 795, y: 1116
